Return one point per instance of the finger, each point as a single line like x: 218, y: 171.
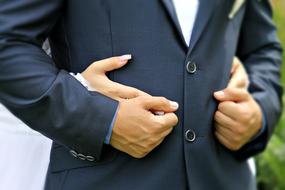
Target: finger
x: 223, y: 120
x: 111, y: 63
x: 168, y: 120
x: 223, y: 140
x: 159, y: 104
x: 127, y: 92
x: 235, y: 64
x: 238, y: 83
x: 239, y: 77
x: 230, y: 109
x: 232, y: 94
x: 226, y: 132
x: 238, y: 80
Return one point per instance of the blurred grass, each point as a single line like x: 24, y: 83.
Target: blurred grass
x: 271, y: 164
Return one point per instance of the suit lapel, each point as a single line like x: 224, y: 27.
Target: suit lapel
x: 206, y: 9
x: 168, y: 4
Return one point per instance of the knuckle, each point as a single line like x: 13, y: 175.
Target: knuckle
x: 236, y: 139
x: 232, y: 146
x: 160, y: 123
x: 140, y: 153
x: 222, y: 106
x: 138, y: 156
x: 217, y: 115
x: 240, y: 131
x: 242, y: 111
x: 156, y: 128
x: 235, y: 147
x: 145, y: 147
x: 151, y: 130
x: 163, y: 100
x: 143, y: 153
x: 151, y: 143
x: 228, y: 90
x: 245, y: 116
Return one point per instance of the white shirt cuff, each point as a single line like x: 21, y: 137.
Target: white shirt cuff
x: 83, y: 81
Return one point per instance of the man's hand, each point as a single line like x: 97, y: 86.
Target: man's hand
x: 137, y: 130
x: 239, y: 117
x: 95, y: 74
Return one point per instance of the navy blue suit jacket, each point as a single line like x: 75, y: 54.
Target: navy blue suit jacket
x: 40, y: 91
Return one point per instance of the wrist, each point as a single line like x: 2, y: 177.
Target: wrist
x: 83, y: 81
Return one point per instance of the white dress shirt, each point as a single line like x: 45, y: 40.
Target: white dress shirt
x: 186, y: 11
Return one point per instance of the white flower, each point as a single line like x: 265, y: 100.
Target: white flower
x: 236, y: 7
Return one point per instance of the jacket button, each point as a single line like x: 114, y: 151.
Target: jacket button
x: 90, y: 158
x: 73, y: 153
x: 190, y: 135
x: 191, y: 67
x: 81, y: 156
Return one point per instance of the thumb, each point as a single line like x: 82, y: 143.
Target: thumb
x: 112, y: 63
x: 235, y: 64
x: 239, y: 78
x: 160, y: 104
x: 232, y: 94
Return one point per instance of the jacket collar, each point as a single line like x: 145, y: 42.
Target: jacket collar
x: 204, y: 14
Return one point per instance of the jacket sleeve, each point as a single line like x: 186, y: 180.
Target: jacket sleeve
x: 261, y: 53
x: 47, y: 99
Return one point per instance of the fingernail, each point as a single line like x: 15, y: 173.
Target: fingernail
x: 220, y: 94
x: 160, y: 113
x: 174, y: 105
x: 125, y: 58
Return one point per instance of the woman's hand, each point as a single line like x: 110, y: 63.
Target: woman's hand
x: 95, y: 74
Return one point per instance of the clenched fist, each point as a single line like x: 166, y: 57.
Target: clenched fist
x: 137, y: 130
x: 239, y: 117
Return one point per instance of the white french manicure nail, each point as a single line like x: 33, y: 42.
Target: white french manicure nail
x: 126, y: 57
x: 174, y: 105
x: 220, y: 93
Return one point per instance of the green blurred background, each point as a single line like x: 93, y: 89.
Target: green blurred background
x: 271, y: 163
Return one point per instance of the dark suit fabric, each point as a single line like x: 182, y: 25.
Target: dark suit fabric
x: 40, y: 91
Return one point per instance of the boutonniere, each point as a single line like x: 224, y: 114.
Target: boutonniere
x: 236, y: 7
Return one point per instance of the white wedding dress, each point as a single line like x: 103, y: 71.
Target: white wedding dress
x: 24, y: 154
